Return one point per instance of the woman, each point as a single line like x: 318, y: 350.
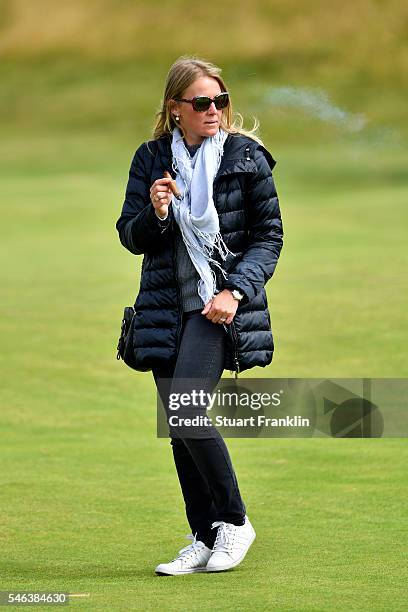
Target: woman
x: 202, y: 304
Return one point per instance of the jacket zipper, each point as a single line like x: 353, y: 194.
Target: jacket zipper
x: 235, y: 346
x: 232, y: 324
x: 180, y: 310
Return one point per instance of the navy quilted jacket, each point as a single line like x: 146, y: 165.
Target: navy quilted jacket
x: 251, y: 226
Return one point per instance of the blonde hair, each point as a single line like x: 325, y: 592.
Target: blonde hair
x: 181, y: 75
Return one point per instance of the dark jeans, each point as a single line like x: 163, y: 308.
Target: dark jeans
x: 204, y: 468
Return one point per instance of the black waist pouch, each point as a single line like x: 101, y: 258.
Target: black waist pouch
x: 125, y: 348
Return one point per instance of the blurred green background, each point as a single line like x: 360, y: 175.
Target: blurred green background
x: 90, y: 497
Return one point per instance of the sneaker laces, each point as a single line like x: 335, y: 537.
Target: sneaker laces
x: 192, y: 550
x: 224, y: 540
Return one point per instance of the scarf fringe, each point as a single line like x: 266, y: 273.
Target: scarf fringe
x: 211, y: 241
x: 207, y: 248
x: 201, y: 288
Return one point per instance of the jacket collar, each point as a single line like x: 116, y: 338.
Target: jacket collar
x: 236, y: 158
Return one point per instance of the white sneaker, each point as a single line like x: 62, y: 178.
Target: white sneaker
x: 192, y: 558
x: 231, y: 545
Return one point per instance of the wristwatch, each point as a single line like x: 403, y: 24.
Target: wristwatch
x: 236, y: 294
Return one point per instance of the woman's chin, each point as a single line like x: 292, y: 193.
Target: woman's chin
x: 210, y: 130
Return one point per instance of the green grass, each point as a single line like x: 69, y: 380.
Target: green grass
x: 90, y: 499
x: 93, y: 505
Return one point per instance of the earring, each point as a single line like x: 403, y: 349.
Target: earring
x: 177, y: 118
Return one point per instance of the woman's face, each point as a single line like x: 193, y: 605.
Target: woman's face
x: 199, y: 125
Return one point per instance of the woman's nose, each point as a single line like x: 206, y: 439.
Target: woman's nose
x: 212, y: 108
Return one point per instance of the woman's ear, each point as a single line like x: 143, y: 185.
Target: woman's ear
x: 174, y: 109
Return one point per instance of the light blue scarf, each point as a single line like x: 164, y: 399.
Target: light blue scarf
x: 195, y: 213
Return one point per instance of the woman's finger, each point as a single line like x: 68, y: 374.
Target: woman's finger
x: 220, y: 318
x: 161, y: 182
x: 160, y: 190
x: 161, y: 197
x: 157, y: 186
x: 206, y: 308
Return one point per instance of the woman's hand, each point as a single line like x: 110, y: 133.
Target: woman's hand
x: 161, y: 195
x: 221, y: 308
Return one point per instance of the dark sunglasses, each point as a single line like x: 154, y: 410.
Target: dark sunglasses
x: 203, y: 103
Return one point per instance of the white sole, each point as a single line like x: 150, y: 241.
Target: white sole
x: 233, y: 564
x: 194, y: 570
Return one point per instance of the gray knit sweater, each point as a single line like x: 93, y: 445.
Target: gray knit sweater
x: 186, y: 273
